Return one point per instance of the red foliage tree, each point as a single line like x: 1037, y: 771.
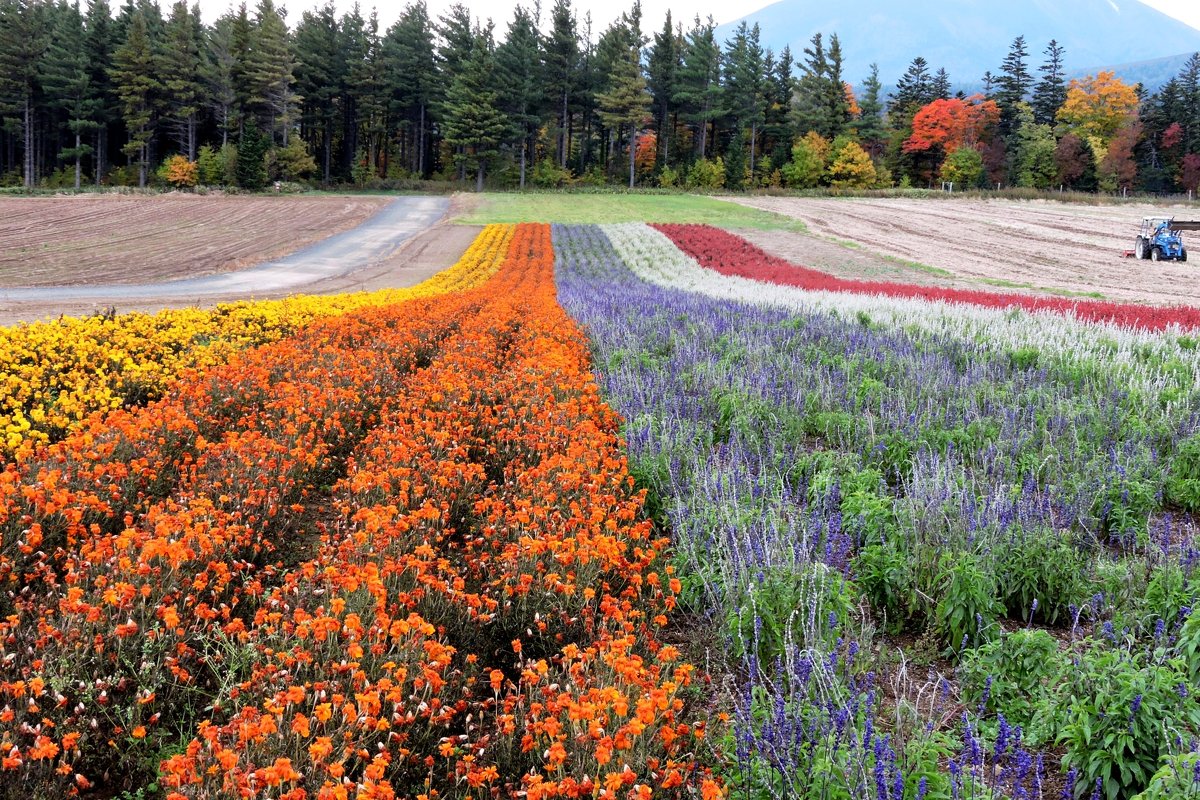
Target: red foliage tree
x: 951, y: 124
x: 1189, y: 173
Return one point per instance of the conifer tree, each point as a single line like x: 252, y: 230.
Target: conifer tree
x: 136, y: 82
x: 1051, y: 89
x: 23, y: 43
x: 251, y: 170
x: 1012, y: 85
x: 519, y: 72
x: 626, y: 103
x: 270, y: 72
x: 562, y: 61
x: 179, y: 69
x: 699, y: 94
x: 100, y: 44
x: 870, y: 122
x: 662, y: 70
x: 68, y: 85
x: 474, y: 124
x: 410, y: 69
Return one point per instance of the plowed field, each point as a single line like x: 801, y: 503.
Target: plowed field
x: 1011, y: 244
x: 121, y: 239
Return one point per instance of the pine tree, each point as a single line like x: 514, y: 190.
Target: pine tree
x: 1189, y: 91
x: 179, y: 68
x: 777, y: 125
x: 745, y: 85
x: 68, y: 85
x: 100, y: 44
x: 474, y: 123
x: 270, y: 72
x: 913, y: 90
x: 870, y: 123
x: 662, y: 69
x: 562, y: 68
x: 1012, y: 85
x: 1051, y: 89
x: 700, y: 90
x: 626, y: 103
x: 941, y: 85
x: 410, y: 69
x: 216, y: 71
x: 136, y: 83
x: 519, y: 70
x: 252, y: 149
x: 241, y: 40
x: 23, y: 42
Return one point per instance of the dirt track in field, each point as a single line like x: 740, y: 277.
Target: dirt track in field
x: 416, y: 259
x: 114, y: 239
x: 1029, y: 245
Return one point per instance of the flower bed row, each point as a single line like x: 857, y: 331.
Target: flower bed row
x: 413, y: 562
x: 56, y: 373
x: 728, y: 254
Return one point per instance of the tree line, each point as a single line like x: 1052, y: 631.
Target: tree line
x: 134, y: 95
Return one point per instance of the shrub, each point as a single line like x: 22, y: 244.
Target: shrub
x: 293, y: 162
x: 967, y: 608
x: 706, y: 174
x: 1043, y: 568
x: 179, y: 172
x: 1012, y: 675
x: 887, y: 582
x: 1182, y: 487
x: 547, y: 174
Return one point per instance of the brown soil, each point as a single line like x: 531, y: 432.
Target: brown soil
x: 60, y: 241
x: 417, y: 259
x: 1055, y: 248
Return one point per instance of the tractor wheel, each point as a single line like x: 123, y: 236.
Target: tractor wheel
x: 1183, y: 255
x: 1155, y: 254
x: 1139, y: 248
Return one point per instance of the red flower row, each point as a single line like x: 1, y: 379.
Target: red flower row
x: 731, y: 255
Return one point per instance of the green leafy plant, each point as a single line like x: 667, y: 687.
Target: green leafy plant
x: 1044, y: 568
x: 967, y: 609
x: 882, y: 571
x: 1011, y: 675
x: 1177, y: 779
x: 1182, y: 487
x: 1117, y: 713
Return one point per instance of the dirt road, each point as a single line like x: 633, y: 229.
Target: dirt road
x: 1033, y: 245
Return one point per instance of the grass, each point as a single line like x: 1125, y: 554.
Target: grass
x: 579, y: 208
x: 1047, y: 289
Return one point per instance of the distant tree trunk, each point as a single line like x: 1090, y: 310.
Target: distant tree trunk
x: 524, y: 147
x: 78, y: 159
x: 421, y: 144
x: 564, y: 137
x: 30, y: 156
x: 632, y: 153
x: 753, y: 141
x: 479, y: 177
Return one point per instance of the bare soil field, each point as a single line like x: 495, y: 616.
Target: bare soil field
x: 60, y: 241
x: 1041, y: 246
x: 416, y: 259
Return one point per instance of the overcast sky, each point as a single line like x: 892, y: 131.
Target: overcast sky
x: 603, y: 11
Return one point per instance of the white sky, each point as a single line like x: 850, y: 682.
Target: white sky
x: 603, y: 11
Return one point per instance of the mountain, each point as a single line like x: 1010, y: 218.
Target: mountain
x: 971, y: 37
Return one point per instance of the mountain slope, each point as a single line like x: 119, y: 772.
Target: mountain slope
x: 970, y: 37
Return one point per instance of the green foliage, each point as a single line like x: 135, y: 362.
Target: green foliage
x: 1117, y: 714
x: 886, y: 578
x: 1013, y: 675
x: 810, y: 156
x: 706, y: 174
x: 668, y: 178
x: 1045, y: 568
x: 1182, y: 486
x: 1188, y: 646
x: 778, y: 609
x: 1176, y: 779
x: 547, y: 174
x: 251, y: 169
x: 963, y: 168
x: 967, y: 607
x: 1124, y: 506
x: 293, y: 163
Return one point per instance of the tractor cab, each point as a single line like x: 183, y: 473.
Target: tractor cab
x: 1161, y: 239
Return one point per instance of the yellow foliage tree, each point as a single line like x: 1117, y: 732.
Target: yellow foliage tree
x: 852, y: 168
x: 181, y: 173
x: 1098, y: 105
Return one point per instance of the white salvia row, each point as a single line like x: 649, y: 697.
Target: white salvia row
x: 1136, y: 354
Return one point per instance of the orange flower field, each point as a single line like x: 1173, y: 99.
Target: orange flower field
x: 396, y: 552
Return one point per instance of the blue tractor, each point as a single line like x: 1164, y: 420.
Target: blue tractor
x: 1160, y: 239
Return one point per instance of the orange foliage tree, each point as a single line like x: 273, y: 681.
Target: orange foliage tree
x: 1098, y: 105
x: 181, y: 173
x: 952, y: 124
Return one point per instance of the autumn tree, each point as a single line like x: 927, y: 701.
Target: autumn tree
x: 1098, y: 105
x: 1034, y: 149
x: 951, y: 124
x: 850, y: 166
x: 1117, y: 170
x: 810, y: 156
x: 1075, y: 162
